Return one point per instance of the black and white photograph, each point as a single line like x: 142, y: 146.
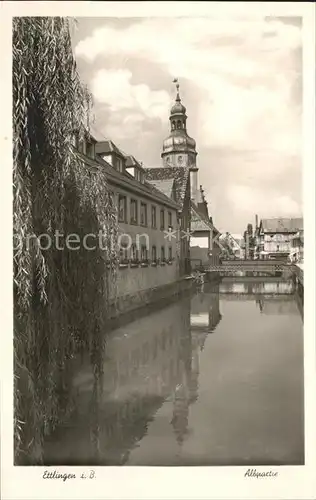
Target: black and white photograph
x: 159, y: 234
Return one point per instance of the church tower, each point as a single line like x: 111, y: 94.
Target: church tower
x: 179, y: 149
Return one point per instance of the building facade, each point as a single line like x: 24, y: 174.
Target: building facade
x: 149, y: 260
x: 297, y: 247
x: 274, y: 237
x: 204, y: 243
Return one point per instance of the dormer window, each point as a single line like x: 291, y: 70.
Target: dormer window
x: 90, y: 149
x: 117, y: 163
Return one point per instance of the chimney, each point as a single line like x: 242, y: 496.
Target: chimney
x: 256, y: 221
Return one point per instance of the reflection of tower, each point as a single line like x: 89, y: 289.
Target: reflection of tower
x: 180, y: 417
x: 195, y: 368
x: 214, y: 312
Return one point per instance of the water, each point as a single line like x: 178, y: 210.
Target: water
x: 213, y: 379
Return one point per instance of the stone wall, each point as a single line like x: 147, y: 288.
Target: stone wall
x: 139, y: 298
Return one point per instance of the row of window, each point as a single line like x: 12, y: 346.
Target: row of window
x: 143, y: 219
x: 142, y: 256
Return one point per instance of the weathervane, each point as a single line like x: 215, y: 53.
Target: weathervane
x: 176, y: 81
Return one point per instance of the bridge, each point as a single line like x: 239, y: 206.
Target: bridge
x: 250, y: 265
x: 256, y: 267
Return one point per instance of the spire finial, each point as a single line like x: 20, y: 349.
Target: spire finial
x: 176, y: 81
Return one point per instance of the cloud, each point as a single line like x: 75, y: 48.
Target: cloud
x: 265, y: 203
x: 240, y: 80
x: 242, y: 73
x: 114, y: 88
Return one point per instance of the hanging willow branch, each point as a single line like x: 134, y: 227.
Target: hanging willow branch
x: 60, y: 296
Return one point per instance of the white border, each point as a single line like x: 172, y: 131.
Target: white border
x: 163, y: 482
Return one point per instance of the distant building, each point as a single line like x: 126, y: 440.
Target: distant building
x: 233, y: 246
x: 274, y: 237
x: 297, y: 247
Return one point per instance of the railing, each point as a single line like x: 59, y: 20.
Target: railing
x: 258, y: 266
x: 250, y: 265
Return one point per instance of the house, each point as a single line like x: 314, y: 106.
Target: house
x: 146, y: 216
x: 204, y: 244
x: 297, y: 247
x: 275, y: 236
x: 232, y: 246
x: 174, y: 182
x: 238, y: 245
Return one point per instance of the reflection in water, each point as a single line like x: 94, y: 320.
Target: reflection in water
x: 164, y: 397
x: 257, y: 287
x: 148, y: 361
x: 277, y: 307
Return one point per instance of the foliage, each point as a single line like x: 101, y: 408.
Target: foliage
x: 60, y: 296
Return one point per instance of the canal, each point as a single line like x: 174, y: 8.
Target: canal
x: 215, y: 378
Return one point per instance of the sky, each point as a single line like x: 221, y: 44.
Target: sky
x: 241, y: 82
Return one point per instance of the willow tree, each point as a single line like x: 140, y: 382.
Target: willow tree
x: 60, y: 296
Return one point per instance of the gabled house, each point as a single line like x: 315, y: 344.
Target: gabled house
x: 204, y: 245
x: 274, y: 237
x: 175, y: 182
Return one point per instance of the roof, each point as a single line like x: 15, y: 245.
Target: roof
x: 282, y: 225
x: 181, y: 177
x: 106, y: 147
x: 132, y: 162
x: 199, y: 222
x: 127, y: 181
x: 165, y: 186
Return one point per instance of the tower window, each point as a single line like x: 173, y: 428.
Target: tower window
x: 173, y: 125
x: 179, y: 126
